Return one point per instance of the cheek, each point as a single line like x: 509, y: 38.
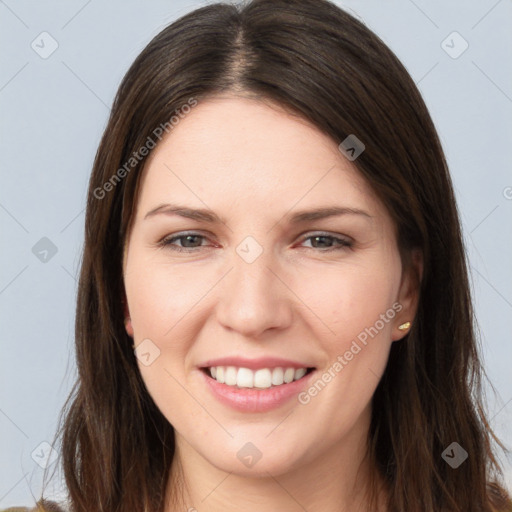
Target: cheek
x: 356, y: 304
x: 351, y: 299
x: 159, y: 296
x: 160, y: 299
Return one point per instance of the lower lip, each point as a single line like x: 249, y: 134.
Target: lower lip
x: 253, y: 399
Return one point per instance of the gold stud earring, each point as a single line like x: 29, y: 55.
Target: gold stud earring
x: 404, y: 326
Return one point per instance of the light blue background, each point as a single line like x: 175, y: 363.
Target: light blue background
x: 54, y: 110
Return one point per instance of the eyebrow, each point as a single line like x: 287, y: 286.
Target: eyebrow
x: 299, y: 217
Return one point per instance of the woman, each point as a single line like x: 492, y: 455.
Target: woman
x: 274, y: 310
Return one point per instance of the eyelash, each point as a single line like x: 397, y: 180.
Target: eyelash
x: 167, y: 242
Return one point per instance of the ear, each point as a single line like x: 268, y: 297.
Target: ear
x: 127, y: 318
x: 409, y: 292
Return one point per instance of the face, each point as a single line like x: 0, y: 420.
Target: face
x: 257, y: 291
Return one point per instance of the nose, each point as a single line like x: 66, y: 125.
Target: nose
x: 254, y: 297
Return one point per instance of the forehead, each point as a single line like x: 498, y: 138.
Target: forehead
x: 239, y: 152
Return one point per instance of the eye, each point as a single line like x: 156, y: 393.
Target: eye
x: 188, y: 241
x: 191, y: 241
x: 323, y: 238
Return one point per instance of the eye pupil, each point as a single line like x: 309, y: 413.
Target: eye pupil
x: 319, y: 237
x: 187, y: 238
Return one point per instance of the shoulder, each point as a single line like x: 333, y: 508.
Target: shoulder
x: 499, y: 498
x: 41, y: 506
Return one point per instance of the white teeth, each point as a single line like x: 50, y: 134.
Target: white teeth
x: 277, y: 376
x: 230, y: 376
x: 245, y: 378
x: 299, y: 373
x: 263, y: 378
x: 288, y: 375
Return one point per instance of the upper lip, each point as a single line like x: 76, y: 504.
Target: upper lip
x: 254, y: 364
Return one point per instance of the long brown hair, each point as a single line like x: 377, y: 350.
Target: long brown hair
x: 322, y: 64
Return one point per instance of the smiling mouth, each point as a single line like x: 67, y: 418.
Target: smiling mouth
x: 263, y: 378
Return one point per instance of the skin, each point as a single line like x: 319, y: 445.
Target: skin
x: 254, y: 165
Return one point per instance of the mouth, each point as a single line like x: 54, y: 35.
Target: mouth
x: 258, y: 379
x: 254, y: 385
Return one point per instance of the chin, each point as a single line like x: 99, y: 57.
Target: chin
x: 250, y: 461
